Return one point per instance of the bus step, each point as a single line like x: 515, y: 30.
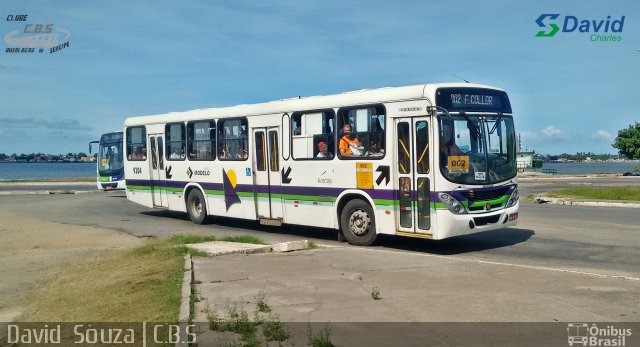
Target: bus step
x: 272, y: 222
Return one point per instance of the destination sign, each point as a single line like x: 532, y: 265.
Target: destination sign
x: 473, y: 99
x: 111, y: 137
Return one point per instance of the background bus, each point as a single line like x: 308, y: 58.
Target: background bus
x: 109, y: 163
x: 430, y: 161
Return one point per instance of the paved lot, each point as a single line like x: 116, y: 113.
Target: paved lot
x: 560, y: 263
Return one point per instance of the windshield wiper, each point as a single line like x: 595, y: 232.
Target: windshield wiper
x: 472, y: 126
x: 496, y: 124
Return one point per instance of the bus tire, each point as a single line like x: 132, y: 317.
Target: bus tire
x: 358, y: 223
x: 196, y: 206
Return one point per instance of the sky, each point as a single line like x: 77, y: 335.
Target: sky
x: 131, y: 58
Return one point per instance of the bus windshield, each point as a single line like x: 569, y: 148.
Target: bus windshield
x: 477, y: 149
x: 110, y: 159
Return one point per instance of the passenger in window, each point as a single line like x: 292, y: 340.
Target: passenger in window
x: 176, y: 154
x: 241, y: 153
x: 222, y: 152
x: 143, y: 156
x: 448, y: 146
x: 357, y: 149
x: 132, y: 155
x: 374, y: 150
x: 323, y: 150
x: 346, y: 140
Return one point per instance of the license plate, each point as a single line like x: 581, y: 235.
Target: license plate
x: 513, y: 216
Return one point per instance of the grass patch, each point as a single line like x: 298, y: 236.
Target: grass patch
x: 605, y: 193
x: 321, y: 338
x: 243, y: 239
x: 261, y: 303
x: 312, y: 245
x: 375, y: 293
x: 143, y: 284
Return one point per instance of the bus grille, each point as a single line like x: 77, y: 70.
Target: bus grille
x: 489, y: 194
x: 479, y: 221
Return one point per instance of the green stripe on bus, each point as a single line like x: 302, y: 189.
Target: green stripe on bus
x: 501, y: 200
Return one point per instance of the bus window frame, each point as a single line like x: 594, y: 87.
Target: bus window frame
x: 213, y: 141
x: 167, y: 144
x: 321, y: 110
x: 345, y: 110
x: 144, y: 142
x: 220, y: 127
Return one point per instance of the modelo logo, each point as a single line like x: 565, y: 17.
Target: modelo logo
x: 192, y: 173
x: 571, y: 24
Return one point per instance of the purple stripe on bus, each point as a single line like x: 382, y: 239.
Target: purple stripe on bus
x: 386, y: 194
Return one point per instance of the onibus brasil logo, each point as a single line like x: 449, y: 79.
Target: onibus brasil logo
x: 583, y: 334
x: 601, y: 30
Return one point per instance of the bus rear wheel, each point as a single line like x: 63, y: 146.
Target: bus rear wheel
x: 358, y: 223
x: 196, y: 206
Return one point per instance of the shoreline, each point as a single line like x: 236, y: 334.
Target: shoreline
x: 81, y: 179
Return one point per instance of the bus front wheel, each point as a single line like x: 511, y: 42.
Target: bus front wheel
x: 358, y: 223
x: 196, y: 206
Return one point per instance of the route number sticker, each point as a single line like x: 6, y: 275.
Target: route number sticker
x: 458, y: 163
x: 364, y: 175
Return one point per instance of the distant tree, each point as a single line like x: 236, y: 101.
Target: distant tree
x: 628, y: 142
x: 82, y: 154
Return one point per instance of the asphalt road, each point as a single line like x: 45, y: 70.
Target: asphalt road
x: 561, y: 263
x: 593, y: 239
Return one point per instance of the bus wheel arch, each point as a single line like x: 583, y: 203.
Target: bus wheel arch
x: 196, y: 204
x: 357, y: 221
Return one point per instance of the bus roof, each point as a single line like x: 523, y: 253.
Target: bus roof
x: 351, y: 98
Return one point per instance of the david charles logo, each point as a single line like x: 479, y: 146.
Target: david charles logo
x: 602, y: 30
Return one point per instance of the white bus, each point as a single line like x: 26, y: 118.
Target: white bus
x: 109, y: 161
x: 431, y: 161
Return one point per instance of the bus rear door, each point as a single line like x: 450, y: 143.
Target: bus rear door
x: 413, y: 172
x: 266, y: 175
x: 158, y: 192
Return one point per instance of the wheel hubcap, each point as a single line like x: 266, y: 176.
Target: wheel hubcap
x: 359, y: 222
x: 197, y: 206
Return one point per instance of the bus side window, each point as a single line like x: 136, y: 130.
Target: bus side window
x: 201, y: 139
x: 136, y: 143
x: 233, y: 141
x: 367, y: 136
x: 310, y: 129
x: 175, y: 141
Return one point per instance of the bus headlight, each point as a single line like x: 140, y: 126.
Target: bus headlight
x: 513, y: 199
x: 452, y: 204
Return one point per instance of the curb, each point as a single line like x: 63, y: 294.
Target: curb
x: 218, y: 248
x: 571, y: 202
x: 187, y: 280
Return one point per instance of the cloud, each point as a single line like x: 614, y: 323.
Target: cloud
x: 36, y: 123
x: 528, y: 136
x: 552, y: 132
x: 602, y: 135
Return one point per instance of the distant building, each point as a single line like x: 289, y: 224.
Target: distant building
x: 524, y: 160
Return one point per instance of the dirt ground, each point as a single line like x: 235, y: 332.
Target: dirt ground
x: 33, y: 250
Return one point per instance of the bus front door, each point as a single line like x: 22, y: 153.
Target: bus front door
x: 158, y: 194
x: 413, y: 172
x: 266, y: 175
